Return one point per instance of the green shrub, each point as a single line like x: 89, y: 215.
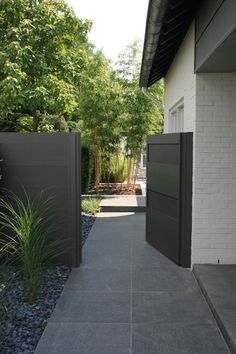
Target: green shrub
x: 118, y: 170
x: 84, y: 169
x: 90, y: 205
x: 27, y: 237
x: 87, y: 169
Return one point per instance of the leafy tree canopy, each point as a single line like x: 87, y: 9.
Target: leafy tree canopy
x: 141, y: 116
x: 43, y: 52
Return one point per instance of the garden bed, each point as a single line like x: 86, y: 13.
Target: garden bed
x: 117, y: 189
x: 23, y: 323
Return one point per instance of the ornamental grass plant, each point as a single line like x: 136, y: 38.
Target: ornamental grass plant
x: 91, y: 205
x: 7, y: 276
x: 26, y: 237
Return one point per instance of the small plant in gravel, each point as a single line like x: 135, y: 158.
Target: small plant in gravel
x: 26, y: 238
x: 91, y: 205
x: 7, y: 276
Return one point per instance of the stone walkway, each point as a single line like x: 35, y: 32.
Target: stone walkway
x: 218, y: 283
x: 124, y: 203
x: 128, y: 299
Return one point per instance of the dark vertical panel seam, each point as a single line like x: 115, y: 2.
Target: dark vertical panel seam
x: 186, y: 199
x: 180, y: 231
x: 190, y: 193
x: 209, y: 22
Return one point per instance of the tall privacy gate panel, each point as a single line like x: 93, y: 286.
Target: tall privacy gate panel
x: 49, y: 162
x: 169, y: 195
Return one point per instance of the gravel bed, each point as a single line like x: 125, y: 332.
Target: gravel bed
x: 87, y: 223
x: 24, y: 323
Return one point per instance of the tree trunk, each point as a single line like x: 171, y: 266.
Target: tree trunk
x: 135, y: 174
x: 96, y: 161
x: 133, y: 171
x: 122, y: 173
x: 108, y: 173
x: 96, y: 158
x: 117, y: 171
x: 129, y: 172
x: 36, y: 121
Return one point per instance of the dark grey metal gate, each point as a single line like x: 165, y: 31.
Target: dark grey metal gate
x: 169, y: 195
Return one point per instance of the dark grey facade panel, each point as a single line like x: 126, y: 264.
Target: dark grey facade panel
x: 223, y: 59
x: 169, y: 195
x: 205, y: 13
x: 215, y: 44
x: 50, y: 162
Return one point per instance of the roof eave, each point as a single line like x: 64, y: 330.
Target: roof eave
x: 166, y: 26
x: 155, y: 15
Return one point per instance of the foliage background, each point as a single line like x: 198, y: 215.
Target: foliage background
x: 53, y: 79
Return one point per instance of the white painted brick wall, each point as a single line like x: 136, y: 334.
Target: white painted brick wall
x: 214, y: 211
x: 209, y: 112
x: 180, y: 82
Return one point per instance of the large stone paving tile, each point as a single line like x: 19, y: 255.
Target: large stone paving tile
x: 181, y: 338
x: 145, y: 256
x: 219, y: 284
x: 138, y: 236
x: 116, y: 219
x: 139, y: 222
x: 60, y: 338
x: 88, y: 306
x: 111, y: 234
x: 163, y: 279
x: 99, y: 279
x: 219, y: 279
x: 107, y: 254
x: 112, y: 244
x: 225, y: 307
x: 162, y: 307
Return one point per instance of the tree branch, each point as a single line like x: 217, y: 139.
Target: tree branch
x: 16, y: 124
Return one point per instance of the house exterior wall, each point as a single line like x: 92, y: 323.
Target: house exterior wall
x: 210, y: 113
x: 214, y: 212
x: 180, y: 82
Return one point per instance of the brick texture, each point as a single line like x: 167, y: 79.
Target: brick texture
x: 214, y: 204
x: 210, y: 113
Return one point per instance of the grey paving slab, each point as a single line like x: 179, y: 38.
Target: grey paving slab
x: 172, y: 307
x: 219, y: 279
x: 108, y: 254
x: 99, y: 280
x: 87, y: 338
x: 145, y: 256
x: 117, y: 216
x: 218, y: 282
x: 139, y: 221
x: 196, y: 338
x: 111, y: 234
x: 126, y: 200
x: 111, y: 245
x: 127, y: 298
x: 88, y: 306
x: 163, y: 279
